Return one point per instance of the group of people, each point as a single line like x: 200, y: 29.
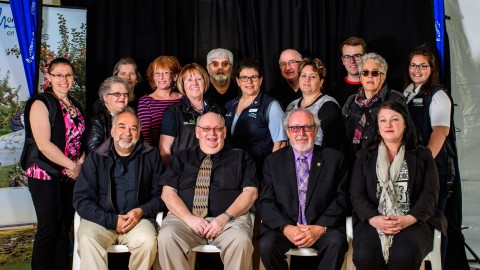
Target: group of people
x: 208, y: 149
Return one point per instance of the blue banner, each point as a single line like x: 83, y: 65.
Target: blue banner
x: 439, y: 17
x: 24, y: 14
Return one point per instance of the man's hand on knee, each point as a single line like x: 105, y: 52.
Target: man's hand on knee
x: 216, y: 226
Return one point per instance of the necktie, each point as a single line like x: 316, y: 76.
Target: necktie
x: 302, y: 184
x: 202, y: 186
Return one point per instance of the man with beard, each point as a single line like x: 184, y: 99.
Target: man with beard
x: 352, y: 51
x: 219, y: 66
x: 117, y: 194
x: 303, y: 202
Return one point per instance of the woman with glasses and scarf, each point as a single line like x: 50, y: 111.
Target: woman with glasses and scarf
x: 113, y: 93
x: 394, y: 193
x: 254, y: 119
x: 360, y: 110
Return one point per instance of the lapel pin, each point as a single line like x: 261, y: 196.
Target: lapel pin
x: 318, y: 164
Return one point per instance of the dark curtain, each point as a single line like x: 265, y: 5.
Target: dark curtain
x: 251, y: 28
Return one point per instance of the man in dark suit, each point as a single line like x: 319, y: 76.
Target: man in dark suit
x: 304, y: 200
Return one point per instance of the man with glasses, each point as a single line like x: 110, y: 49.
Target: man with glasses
x: 219, y: 67
x: 209, y: 190
x: 352, y: 51
x: 304, y: 198
x: 288, y: 89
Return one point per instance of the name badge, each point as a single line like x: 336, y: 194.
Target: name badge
x: 417, y: 102
x: 253, y: 110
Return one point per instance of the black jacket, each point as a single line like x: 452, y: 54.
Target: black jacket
x: 98, y: 131
x: 92, y: 196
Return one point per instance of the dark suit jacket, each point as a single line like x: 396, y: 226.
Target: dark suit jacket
x: 327, y: 194
x: 423, y: 187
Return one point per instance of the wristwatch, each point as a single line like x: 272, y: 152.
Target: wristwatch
x: 230, y: 217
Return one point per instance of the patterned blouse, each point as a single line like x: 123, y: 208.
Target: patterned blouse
x: 74, y: 128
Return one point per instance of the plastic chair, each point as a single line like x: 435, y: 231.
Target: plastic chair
x: 110, y: 249
x: 207, y: 248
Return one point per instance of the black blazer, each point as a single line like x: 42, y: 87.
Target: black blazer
x: 327, y: 200
x: 423, y: 187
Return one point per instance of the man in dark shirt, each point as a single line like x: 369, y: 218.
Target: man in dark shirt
x: 230, y: 193
x: 288, y: 89
x: 117, y: 194
x: 219, y: 66
x: 352, y: 51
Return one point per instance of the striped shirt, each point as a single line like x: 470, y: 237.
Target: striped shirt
x: 150, y: 112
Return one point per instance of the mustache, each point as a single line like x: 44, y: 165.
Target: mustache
x: 301, y: 137
x: 125, y: 136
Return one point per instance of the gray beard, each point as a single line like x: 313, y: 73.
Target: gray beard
x: 220, y: 79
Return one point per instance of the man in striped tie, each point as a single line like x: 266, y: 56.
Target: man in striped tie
x: 209, y: 190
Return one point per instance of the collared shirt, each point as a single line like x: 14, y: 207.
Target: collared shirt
x: 232, y: 170
x: 308, y: 155
x: 124, y: 180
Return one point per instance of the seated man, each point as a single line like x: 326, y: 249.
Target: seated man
x: 117, y: 194
x: 209, y: 190
x: 303, y: 201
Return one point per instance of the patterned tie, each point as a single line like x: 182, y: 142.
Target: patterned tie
x: 200, y: 199
x: 302, y: 183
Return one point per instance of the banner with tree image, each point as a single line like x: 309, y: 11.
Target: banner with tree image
x: 63, y: 35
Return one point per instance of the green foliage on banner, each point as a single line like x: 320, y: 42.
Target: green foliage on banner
x: 9, y: 102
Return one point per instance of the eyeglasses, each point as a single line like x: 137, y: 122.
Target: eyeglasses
x: 413, y: 66
x: 118, y: 94
x: 62, y: 76
x: 348, y: 58
x: 208, y: 129
x: 254, y: 78
x: 306, y: 128
x: 165, y: 74
x: 374, y: 73
x: 289, y: 63
x: 224, y: 64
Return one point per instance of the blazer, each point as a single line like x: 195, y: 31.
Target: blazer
x: 327, y: 201
x: 423, y: 187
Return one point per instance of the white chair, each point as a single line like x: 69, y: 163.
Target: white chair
x: 208, y: 248
x: 110, y: 249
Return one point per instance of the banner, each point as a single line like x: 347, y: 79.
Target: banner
x: 439, y: 14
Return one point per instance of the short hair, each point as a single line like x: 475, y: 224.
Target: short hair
x: 409, y: 135
x: 60, y: 60
x: 219, y: 115
x: 107, y: 85
x: 427, y: 52
x: 316, y: 64
x: 354, y: 41
x: 127, y: 61
x: 298, y: 54
x: 219, y: 52
x: 376, y: 58
x: 193, y: 67
x: 247, y: 63
x: 167, y: 62
x: 129, y: 110
x: 288, y: 114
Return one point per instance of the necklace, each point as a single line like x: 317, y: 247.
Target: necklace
x: 70, y: 109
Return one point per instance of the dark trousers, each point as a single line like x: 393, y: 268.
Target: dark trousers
x: 52, y: 200
x: 409, y: 247
x: 331, y: 248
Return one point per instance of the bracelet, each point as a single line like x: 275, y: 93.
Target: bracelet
x: 230, y: 217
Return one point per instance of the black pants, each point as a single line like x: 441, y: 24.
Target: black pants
x: 331, y: 248
x: 409, y: 247
x: 52, y: 200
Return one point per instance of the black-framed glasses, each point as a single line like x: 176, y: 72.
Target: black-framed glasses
x: 374, y: 73
x: 254, y: 78
x: 208, y: 129
x: 216, y: 64
x: 306, y: 128
x: 165, y: 74
x: 348, y: 58
x: 289, y: 63
x: 62, y: 76
x: 118, y: 94
x: 413, y: 66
